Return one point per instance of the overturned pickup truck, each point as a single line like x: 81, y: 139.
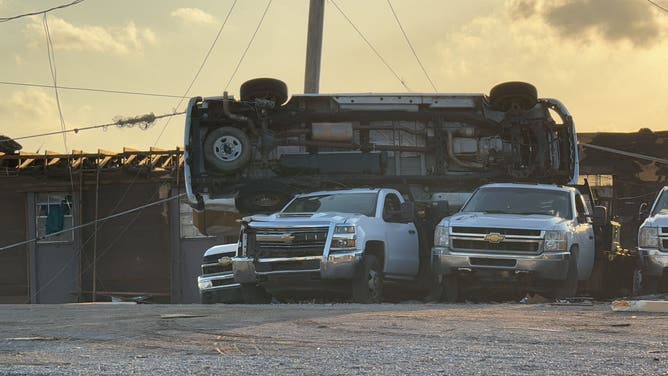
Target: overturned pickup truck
x: 261, y: 150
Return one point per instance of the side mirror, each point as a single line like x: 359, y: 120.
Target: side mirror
x: 439, y: 210
x: 600, y: 214
x: 407, y: 212
x: 643, y: 211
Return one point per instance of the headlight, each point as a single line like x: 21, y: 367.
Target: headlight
x: 344, y: 238
x: 347, y: 229
x: 346, y: 243
x: 555, y: 241
x: 442, y: 236
x: 204, y: 284
x: 648, y: 237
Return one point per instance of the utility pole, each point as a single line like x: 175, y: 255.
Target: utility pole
x: 314, y: 46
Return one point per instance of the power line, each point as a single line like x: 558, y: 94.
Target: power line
x: 411, y: 46
x: 91, y: 89
x: 658, y: 6
x: 54, y: 74
x: 206, y: 58
x: 146, y: 119
x: 370, y: 46
x: 626, y: 153
x: 75, y: 2
x: 249, y: 45
x: 47, y: 236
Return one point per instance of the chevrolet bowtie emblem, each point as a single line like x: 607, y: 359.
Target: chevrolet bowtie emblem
x: 494, y: 237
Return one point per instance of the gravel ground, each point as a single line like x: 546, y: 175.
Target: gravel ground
x: 330, y: 339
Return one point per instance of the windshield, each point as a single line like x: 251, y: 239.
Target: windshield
x: 359, y: 203
x: 520, y: 201
x: 661, y: 206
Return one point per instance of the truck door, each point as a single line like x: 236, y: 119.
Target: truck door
x: 584, y: 237
x: 401, y: 246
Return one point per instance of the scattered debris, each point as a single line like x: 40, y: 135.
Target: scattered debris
x: 32, y: 339
x: 8, y: 145
x: 580, y: 301
x: 640, y: 306
x: 179, y: 316
x: 534, y: 299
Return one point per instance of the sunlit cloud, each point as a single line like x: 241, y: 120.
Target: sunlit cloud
x: 193, y: 16
x: 123, y: 40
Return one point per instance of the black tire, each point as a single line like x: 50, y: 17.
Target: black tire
x: 264, y: 88
x: 568, y: 288
x: 251, y: 293
x: 368, y: 283
x: 228, y: 149
x: 451, y: 288
x: 262, y: 197
x: 513, y: 96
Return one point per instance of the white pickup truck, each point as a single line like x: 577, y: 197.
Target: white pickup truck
x: 539, y: 236
x: 653, y: 243
x: 348, y: 239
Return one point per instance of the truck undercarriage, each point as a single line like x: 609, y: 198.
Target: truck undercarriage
x: 260, y: 152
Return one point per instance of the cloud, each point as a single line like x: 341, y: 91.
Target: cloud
x: 124, y: 40
x: 30, y: 109
x: 611, y: 20
x: 193, y: 16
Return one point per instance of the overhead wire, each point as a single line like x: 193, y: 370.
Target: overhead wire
x: 110, y: 244
x: 75, y: 2
x: 113, y: 241
x: 396, y: 18
x: 28, y: 84
x: 54, y: 75
x: 206, y: 58
x: 56, y: 233
x: 250, y: 42
x: 148, y: 118
x: 658, y: 5
x: 375, y: 51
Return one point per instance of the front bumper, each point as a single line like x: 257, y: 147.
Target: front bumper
x: 335, y: 266
x: 653, y: 261
x: 216, y: 282
x: 552, y: 265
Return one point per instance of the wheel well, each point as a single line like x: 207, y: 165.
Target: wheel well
x: 376, y: 248
x: 575, y: 250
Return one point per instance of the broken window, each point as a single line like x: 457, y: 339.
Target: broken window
x: 54, y: 214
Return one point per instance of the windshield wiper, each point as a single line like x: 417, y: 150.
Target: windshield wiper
x: 531, y: 212
x: 495, y: 212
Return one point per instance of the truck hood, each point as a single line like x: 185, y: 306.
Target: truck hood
x: 659, y: 220
x: 519, y: 221
x: 294, y: 218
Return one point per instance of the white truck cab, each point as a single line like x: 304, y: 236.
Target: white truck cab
x: 653, y: 243
x: 541, y: 233
x: 358, y: 235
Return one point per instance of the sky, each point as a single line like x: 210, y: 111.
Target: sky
x: 604, y: 59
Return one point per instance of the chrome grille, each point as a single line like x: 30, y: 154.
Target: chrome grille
x: 496, y: 240
x: 488, y: 230
x: 287, y: 242
x: 216, y: 268
x: 482, y: 245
